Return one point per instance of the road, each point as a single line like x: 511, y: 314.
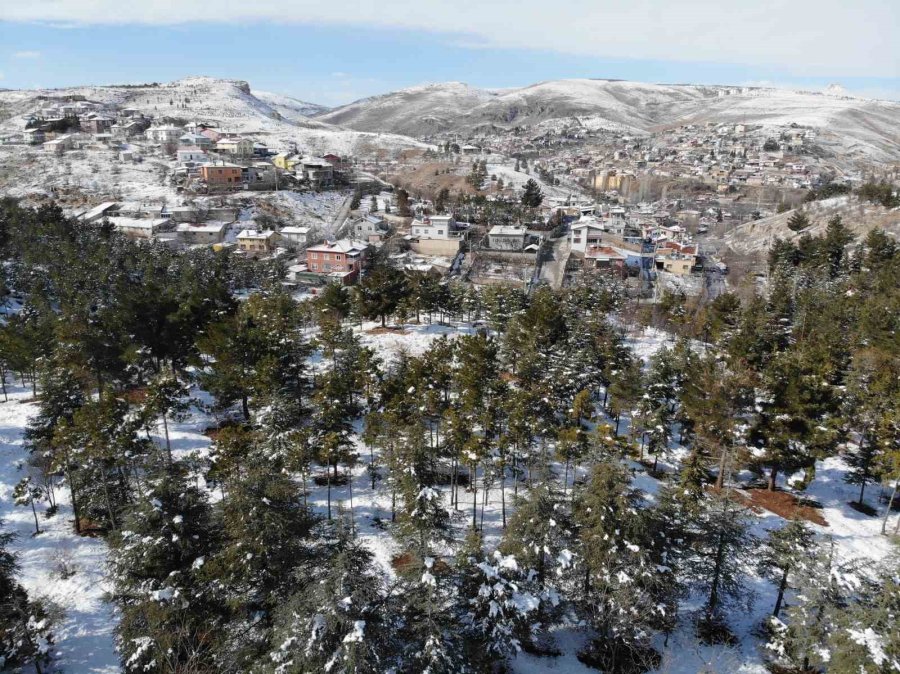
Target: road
x: 336, y: 229
x: 553, y: 270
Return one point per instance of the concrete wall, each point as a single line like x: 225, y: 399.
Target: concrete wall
x: 435, y: 247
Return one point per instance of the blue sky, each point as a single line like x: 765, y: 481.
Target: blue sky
x: 333, y: 58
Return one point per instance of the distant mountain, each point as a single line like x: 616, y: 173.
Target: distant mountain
x: 228, y: 104
x: 289, y: 107
x: 866, y: 128
x: 419, y: 111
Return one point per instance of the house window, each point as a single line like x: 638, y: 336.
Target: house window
x: 440, y: 232
x: 314, y: 256
x: 315, y: 267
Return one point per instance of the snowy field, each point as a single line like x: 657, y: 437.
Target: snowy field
x: 84, y: 641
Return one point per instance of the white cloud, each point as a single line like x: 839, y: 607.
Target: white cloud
x: 28, y: 54
x: 805, y: 37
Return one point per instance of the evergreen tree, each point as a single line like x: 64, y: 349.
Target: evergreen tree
x: 785, y: 548
x: 336, y: 619
x: 798, y: 221
x: 532, y: 196
x: 168, y: 615
x: 25, y: 630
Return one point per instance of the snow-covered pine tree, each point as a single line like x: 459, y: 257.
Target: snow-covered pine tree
x: 167, y: 612
x: 866, y: 638
x: 785, y: 548
x: 25, y: 634
x: 628, y: 588
x: 336, y: 619
x: 498, y: 609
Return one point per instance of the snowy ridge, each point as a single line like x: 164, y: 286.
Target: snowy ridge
x: 864, y: 126
x: 289, y: 107
x: 228, y: 104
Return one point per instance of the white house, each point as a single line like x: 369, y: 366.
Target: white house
x: 191, y: 153
x: 208, y: 233
x: 139, y: 228
x: 371, y: 228
x: 296, y: 237
x: 586, y: 232
x: 163, y: 134
x: 435, y: 227
x: 507, y: 237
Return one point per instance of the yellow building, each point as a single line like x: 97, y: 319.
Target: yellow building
x: 286, y: 160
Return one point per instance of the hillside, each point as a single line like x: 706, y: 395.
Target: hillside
x: 757, y: 236
x: 419, y: 111
x: 858, y: 127
x: 228, y: 104
x: 290, y: 108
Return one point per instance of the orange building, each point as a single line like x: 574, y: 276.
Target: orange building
x: 219, y: 177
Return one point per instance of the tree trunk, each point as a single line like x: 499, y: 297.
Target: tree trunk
x: 890, y: 505
x: 37, y: 527
x: 328, y: 480
x: 503, y: 495
x: 473, y: 484
x: 72, y: 490
x: 773, y: 474
x: 168, y: 443
x: 720, y: 478
x: 245, y: 407
x: 717, y: 570
x: 782, y: 586
x: 862, y: 490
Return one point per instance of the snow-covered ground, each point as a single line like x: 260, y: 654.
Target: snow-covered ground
x: 85, y: 639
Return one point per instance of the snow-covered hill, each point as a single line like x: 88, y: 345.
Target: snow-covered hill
x: 757, y: 236
x: 864, y: 126
x: 289, y: 107
x: 229, y: 104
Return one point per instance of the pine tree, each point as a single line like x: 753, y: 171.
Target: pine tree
x: 821, y: 596
x: 798, y: 221
x: 25, y: 630
x: 720, y: 547
x: 497, y: 609
x: 866, y: 639
x: 168, y: 614
x: 785, y: 548
x: 532, y: 196
x: 166, y: 399
x: 336, y: 619
x: 628, y: 588
x: 380, y: 292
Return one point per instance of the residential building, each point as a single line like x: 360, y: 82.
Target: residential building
x: 507, y: 237
x: 139, y: 228
x: 435, y: 227
x: 371, y: 228
x: 343, y: 259
x: 586, y: 232
x: 286, y: 160
x: 166, y: 134
x: 33, y: 136
x: 207, y: 233
x: 191, y: 153
x: 318, y: 172
x: 195, y: 140
x: 239, y: 148
x: 96, y: 125
x: 220, y: 176
x: 254, y: 242
x: 295, y: 237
